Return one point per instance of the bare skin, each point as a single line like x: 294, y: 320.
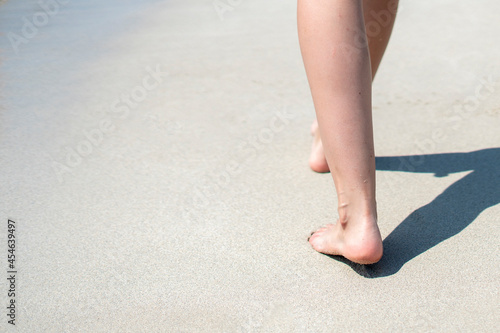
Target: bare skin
x: 378, y: 14
x: 340, y: 68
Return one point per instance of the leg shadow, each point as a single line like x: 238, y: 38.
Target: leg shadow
x: 447, y: 215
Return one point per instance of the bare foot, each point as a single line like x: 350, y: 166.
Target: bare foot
x: 360, y: 243
x: 317, y: 160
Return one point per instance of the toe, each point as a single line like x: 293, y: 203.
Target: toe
x: 317, y: 243
x: 320, y: 231
x: 316, y: 236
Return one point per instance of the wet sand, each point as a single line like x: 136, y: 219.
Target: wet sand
x: 154, y: 160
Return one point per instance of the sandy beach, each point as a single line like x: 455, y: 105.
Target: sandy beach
x: 153, y: 165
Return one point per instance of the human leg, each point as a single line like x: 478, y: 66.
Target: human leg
x: 340, y: 84
x: 379, y: 17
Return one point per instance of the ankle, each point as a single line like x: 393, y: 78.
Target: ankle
x: 364, y: 213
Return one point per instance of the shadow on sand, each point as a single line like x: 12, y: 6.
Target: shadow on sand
x: 445, y: 216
